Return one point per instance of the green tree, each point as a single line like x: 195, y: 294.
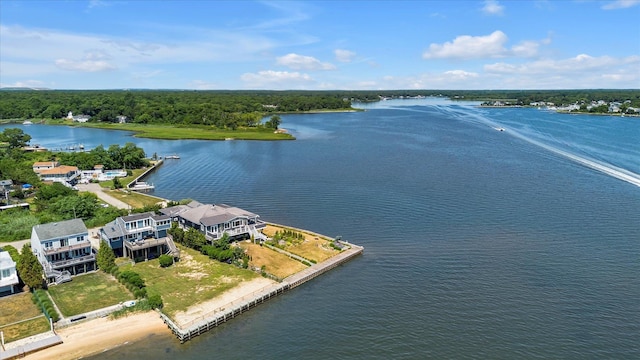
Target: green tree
x: 16, y: 138
x: 273, y: 122
x: 30, y: 270
x: 105, y: 258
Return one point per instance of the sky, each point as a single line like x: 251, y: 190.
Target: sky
x: 320, y: 45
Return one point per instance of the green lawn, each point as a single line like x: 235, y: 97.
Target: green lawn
x: 25, y: 329
x: 88, y: 292
x: 194, y: 279
x: 17, y: 308
x: 192, y: 132
x: 133, y: 198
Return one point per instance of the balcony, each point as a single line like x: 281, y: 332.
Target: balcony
x: 82, y: 245
x: 73, y: 261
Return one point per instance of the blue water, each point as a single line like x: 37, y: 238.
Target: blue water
x: 478, y: 243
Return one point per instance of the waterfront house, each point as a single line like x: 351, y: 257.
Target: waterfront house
x: 63, y: 174
x: 216, y: 220
x: 140, y: 236
x: 8, y: 273
x: 44, y: 165
x: 63, y: 248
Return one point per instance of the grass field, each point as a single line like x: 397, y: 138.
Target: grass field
x: 133, y: 198
x: 194, y: 132
x: 192, y: 280
x: 274, y: 263
x: 123, y: 180
x: 88, y: 292
x: 18, y: 308
x: 313, y: 247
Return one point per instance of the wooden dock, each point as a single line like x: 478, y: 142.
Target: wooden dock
x: 208, y: 322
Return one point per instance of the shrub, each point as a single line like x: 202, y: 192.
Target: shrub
x: 155, y: 301
x: 165, y: 260
x: 140, y: 293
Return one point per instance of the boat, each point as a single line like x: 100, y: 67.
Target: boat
x: 140, y: 185
x: 27, y: 122
x: 174, y: 156
x: 500, y: 128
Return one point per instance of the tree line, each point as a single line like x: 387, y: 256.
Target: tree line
x: 232, y: 109
x: 222, y: 109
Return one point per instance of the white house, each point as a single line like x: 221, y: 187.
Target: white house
x: 44, y: 165
x: 216, y: 220
x: 8, y: 273
x: 63, y: 248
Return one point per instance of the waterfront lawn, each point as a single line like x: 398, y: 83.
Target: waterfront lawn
x: 17, y: 308
x: 313, y: 247
x: 88, y: 292
x: 192, y: 280
x: 275, y: 263
x: 123, y: 180
x: 133, y: 198
x: 192, y: 132
x: 25, y: 329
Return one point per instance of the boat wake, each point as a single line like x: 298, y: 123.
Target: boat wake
x: 467, y: 113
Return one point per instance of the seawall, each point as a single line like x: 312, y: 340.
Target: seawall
x: 196, y: 328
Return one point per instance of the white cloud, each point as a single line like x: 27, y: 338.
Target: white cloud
x: 343, y: 55
x: 201, y: 85
x: 26, y: 83
x: 460, y: 74
x: 620, y: 4
x: 76, y: 50
x: 492, y: 7
x: 488, y: 46
x: 275, y: 79
x: 84, y: 65
x: 582, y: 71
x: 580, y: 63
x: 301, y: 62
x: 469, y: 47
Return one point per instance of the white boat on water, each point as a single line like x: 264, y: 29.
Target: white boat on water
x: 500, y: 128
x: 141, y: 185
x: 174, y: 156
x: 27, y: 122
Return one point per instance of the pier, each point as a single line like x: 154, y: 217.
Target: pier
x: 197, y: 327
x: 138, y: 185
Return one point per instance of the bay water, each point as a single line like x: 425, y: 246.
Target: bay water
x: 479, y: 243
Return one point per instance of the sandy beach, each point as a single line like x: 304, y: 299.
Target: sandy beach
x: 99, y: 335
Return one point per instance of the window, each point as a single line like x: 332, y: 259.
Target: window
x: 6, y: 273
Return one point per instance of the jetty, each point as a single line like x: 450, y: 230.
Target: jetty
x: 209, y: 321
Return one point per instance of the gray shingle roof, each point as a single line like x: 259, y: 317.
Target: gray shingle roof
x: 60, y: 229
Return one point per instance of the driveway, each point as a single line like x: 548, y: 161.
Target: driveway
x: 97, y: 189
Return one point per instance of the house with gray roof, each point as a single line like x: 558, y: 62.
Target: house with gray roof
x: 63, y: 248
x: 140, y: 236
x: 216, y: 220
x: 8, y: 274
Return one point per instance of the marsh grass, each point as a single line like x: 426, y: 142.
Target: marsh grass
x: 192, y: 132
